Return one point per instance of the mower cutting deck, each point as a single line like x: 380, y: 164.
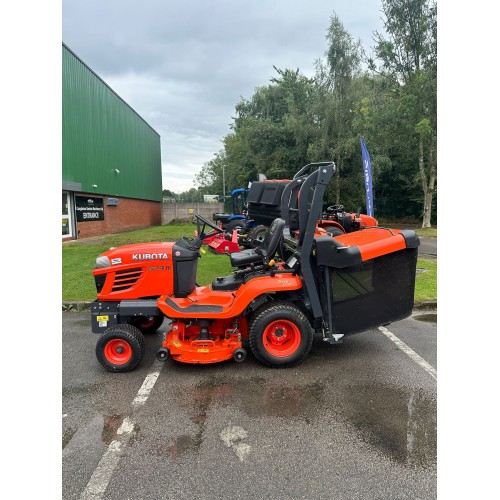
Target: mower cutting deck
x: 300, y: 281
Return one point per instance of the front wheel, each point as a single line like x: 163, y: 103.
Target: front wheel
x: 120, y: 348
x: 280, y: 335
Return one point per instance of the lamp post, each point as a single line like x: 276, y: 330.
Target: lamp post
x: 223, y: 182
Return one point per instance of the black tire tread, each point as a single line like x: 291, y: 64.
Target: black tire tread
x: 132, y: 335
x: 261, y: 312
x: 233, y: 224
x: 254, y: 231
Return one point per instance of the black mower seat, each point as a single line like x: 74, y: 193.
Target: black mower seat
x: 265, y: 252
x: 245, y: 257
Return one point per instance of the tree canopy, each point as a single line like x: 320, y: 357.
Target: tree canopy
x: 388, y: 99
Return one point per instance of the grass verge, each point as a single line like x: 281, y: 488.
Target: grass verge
x: 426, y: 281
x: 431, y: 232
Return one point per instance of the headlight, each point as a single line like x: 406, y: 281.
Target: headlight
x: 102, y: 261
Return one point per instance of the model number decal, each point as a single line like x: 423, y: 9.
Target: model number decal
x: 102, y: 318
x: 118, y: 260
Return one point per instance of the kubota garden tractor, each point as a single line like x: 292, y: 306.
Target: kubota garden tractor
x: 298, y: 282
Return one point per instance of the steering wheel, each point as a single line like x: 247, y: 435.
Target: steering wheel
x: 208, y: 223
x: 335, y: 208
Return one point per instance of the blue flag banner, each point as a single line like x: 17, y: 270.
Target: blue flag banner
x: 367, y: 174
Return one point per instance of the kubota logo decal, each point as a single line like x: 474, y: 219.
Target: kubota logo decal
x: 149, y: 256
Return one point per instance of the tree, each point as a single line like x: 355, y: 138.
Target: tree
x: 409, y: 59
x: 211, y: 176
x: 273, y: 130
x: 388, y: 133
x: 169, y: 195
x: 335, y: 106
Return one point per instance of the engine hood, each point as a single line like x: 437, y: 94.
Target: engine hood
x: 137, y: 253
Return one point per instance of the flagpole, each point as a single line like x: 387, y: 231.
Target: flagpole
x: 368, y: 177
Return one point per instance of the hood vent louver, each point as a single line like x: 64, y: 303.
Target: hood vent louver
x: 126, y: 279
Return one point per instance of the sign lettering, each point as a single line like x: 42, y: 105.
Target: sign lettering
x: 89, y: 208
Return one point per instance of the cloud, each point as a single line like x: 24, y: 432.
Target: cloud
x: 183, y: 65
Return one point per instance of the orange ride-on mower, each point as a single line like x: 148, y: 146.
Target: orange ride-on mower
x: 298, y: 282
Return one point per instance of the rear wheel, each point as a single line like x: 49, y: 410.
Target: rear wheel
x: 280, y: 335
x: 256, y: 235
x: 147, y: 324
x: 237, y: 224
x: 120, y: 348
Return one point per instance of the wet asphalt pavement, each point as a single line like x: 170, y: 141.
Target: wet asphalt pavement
x: 353, y: 421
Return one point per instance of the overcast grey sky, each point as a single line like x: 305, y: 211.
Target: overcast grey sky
x: 183, y: 65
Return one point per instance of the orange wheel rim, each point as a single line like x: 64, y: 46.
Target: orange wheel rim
x: 118, y: 351
x: 281, y: 338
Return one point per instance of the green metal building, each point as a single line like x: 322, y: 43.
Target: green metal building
x: 111, y: 157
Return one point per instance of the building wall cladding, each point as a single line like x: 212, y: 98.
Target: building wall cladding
x: 127, y: 215
x: 101, y: 134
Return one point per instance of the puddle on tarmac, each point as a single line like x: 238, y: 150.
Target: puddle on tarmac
x: 111, y: 424
x: 427, y: 318
x: 184, y: 444
x: 278, y: 399
x: 401, y: 423
x: 202, y: 396
x: 257, y: 396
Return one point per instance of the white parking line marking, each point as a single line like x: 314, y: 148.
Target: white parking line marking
x: 410, y: 352
x: 102, y: 474
x: 145, y: 389
x: 100, y: 478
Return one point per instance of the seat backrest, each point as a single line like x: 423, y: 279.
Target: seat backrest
x: 272, y: 237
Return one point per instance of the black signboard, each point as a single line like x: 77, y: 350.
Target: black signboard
x: 89, y: 208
